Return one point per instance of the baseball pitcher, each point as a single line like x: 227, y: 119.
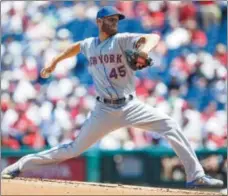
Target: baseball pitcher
x: 113, y: 59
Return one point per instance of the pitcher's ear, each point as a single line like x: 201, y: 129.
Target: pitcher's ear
x: 99, y: 20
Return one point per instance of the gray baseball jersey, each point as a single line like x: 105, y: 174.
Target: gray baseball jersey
x: 113, y: 79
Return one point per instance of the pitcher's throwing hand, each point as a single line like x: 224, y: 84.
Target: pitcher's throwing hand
x: 46, y: 72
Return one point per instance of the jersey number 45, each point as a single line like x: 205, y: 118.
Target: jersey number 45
x: 118, y: 71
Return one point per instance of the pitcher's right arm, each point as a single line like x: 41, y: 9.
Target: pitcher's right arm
x: 71, y: 51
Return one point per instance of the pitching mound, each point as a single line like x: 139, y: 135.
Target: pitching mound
x: 28, y: 186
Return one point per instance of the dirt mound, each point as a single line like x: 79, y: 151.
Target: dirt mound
x: 30, y: 186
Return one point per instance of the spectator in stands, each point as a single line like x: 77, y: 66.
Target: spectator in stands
x: 221, y: 54
x: 210, y: 13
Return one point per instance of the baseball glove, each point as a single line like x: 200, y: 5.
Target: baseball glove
x: 137, y: 60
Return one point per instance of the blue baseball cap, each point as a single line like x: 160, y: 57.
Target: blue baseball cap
x: 109, y: 11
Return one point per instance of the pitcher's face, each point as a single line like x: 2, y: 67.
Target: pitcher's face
x: 109, y: 24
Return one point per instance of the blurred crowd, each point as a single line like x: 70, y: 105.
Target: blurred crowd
x: 187, y: 81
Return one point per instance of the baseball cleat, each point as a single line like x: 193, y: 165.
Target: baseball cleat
x: 10, y: 172
x: 224, y: 191
x: 10, y: 175
x: 205, y: 182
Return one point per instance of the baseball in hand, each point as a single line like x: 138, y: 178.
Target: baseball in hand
x: 45, y: 73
